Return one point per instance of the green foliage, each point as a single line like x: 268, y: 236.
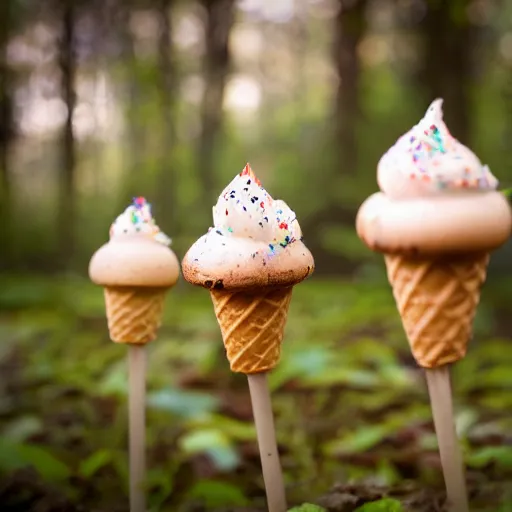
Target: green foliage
x: 385, y: 505
x: 343, y: 394
x: 18, y: 455
x: 217, y: 494
x: 307, y: 507
x: 92, y: 464
x: 183, y: 403
x: 212, y: 442
x: 499, y: 455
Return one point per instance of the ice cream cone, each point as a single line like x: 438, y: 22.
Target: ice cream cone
x: 136, y: 268
x: 252, y: 325
x: 249, y: 261
x: 134, y: 314
x: 437, y: 301
x: 437, y: 219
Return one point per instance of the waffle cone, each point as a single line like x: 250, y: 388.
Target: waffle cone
x: 437, y: 300
x: 252, y: 326
x: 134, y: 314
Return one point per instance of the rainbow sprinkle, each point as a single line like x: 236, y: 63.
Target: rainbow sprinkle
x: 137, y: 218
x: 437, y: 158
x: 248, y: 199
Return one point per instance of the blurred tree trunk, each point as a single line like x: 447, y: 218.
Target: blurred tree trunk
x: 302, y: 43
x: 449, y: 40
x: 506, y: 95
x: 350, y: 27
x: 167, y: 198
x: 131, y: 185
x: 218, y: 23
x: 6, y: 128
x: 103, y: 15
x: 6, y: 134
x: 67, y: 61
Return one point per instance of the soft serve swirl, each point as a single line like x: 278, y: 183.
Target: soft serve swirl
x: 429, y: 160
x: 138, y: 220
x: 246, y: 210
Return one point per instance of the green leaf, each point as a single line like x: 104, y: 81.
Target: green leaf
x: 384, y: 505
x: 20, y: 429
x: 159, y: 482
x: 307, y: 362
x: 387, y: 473
x: 231, y: 428
x: 211, y: 493
x: 465, y: 420
x: 214, y: 443
x: 115, y: 382
x: 17, y: 456
x: 501, y: 455
x: 183, y: 403
x: 307, y: 507
x: 94, y: 463
x: 225, y: 458
x: 200, y: 440
x: 347, y: 376
x: 359, y: 441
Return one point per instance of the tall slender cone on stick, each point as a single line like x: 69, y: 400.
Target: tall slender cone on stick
x: 437, y: 301
x: 136, y: 268
x: 250, y: 260
x: 252, y: 326
x: 437, y: 218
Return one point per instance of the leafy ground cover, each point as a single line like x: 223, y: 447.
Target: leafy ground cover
x: 352, y: 411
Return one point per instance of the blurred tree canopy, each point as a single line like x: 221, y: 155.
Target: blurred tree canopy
x: 104, y: 100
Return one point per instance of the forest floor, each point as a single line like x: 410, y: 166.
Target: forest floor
x: 352, y: 412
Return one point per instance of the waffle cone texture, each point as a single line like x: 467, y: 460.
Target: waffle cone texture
x: 134, y: 315
x: 135, y: 272
x: 437, y: 249
x: 252, y: 325
x: 437, y: 301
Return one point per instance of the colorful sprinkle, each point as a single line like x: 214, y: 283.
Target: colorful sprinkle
x: 137, y: 219
x: 252, y: 214
x: 432, y: 148
x: 139, y: 202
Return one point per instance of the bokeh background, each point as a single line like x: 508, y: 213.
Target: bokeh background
x: 101, y: 100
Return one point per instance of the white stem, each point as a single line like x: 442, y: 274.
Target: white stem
x: 137, y: 426
x: 438, y: 381
x: 264, y: 420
